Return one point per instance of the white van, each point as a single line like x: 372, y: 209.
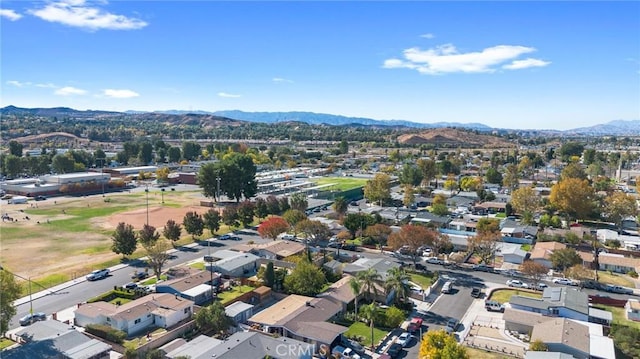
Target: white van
x: 447, y: 288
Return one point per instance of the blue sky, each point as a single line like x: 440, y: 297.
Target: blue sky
x: 538, y: 65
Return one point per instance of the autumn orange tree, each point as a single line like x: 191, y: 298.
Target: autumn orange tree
x: 619, y: 206
x: 438, y: 344
x: 574, y: 197
x: 379, y: 233
x: 272, y: 227
x: 485, y: 243
x: 534, y: 270
x: 413, y: 237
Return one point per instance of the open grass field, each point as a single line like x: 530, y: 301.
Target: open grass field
x: 504, y: 295
x: 340, y: 183
x: 67, y: 237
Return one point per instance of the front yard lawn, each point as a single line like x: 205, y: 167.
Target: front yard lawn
x: 481, y: 354
x: 422, y: 280
x: 615, y: 279
x: 5, y: 343
x: 504, y: 295
x: 229, y: 295
x: 362, y: 330
x: 618, y: 316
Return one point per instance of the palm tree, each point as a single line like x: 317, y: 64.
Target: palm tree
x: 368, y: 279
x: 356, y: 288
x: 398, y: 282
x: 340, y: 205
x: 370, y: 313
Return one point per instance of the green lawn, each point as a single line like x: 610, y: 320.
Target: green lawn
x: 5, y: 343
x: 363, y: 330
x: 153, y: 279
x: 504, y: 295
x: 229, y: 295
x: 526, y: 247
x: 340, y: 183
x: 197, y: 265
x: 619, y: 317
x: 615, y: 279
x: 120, y: 301
x: 422, y: 280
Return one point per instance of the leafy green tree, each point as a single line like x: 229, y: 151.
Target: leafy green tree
x: 620, y: 206
x: 440, y: 209
x: 148, y: 235
x: 370, y: 313
x: 526, y: 202
x: 125, y: 239
x: 573, y: 196
x: 10, y: 292
x: 211, y: 220
x: 262, y: 210
x: 212, y: 318
x: 511, y: 177
x: 493, y: 176
x: 12, y: 166
x: 230, y: 216
x: 63, y: 163
x: 146, y: 153
x: 313, y: 230
x: 306, y: 279
x: 410, y: 175
x: 208, y: 180
x: 397, y: 282
x: 428, y: 169
x: 438, y: 344
x: 193, y: 224
x: 573, y: 170
x: 378, y: 188
x: 246, y: 211
x: 174, y: 154
x: 538, y: 346
x: 238, y: 176
x: 172, y: 230
x: 343, y: 147
x: 269, y: 275
x: 571, y: 149
x: 340, y: 206
x: 15, y: 148
x: 562, y: 259
x: 354, y: 222
x: 273, y: 227
x: 191, y: 150
x: 273, y: 205
x: 626, y: 338
x: 284, y: 205
x: 409, y: 196
x: 157, y: 255
x: 294, y: 216
x: 298, y: 201
x: 393, y: 317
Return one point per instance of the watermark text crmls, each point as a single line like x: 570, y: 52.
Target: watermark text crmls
x: 295, y: 350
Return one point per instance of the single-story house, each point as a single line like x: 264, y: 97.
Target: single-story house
x: 154, y: 310
x: 333, y: 266
x: 632, y: 310
x: 180, y: 348
x: 54, y: 339
x: 541, y: 252
x: 546, y: 355
x: 513, y: 253
x: 562, y: 302
x: 244, y: 345
x: 195, y: 286
x: 239, y: 312
x: 340, y: 292
x: 301, y: 318
x: 428, y: 218
x: 582, y: 340
x: 279, y: 249
x: 239, y: 265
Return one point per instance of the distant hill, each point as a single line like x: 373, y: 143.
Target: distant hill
x: 612, y: 128
x: 55, y: 112
x: 451, y: 137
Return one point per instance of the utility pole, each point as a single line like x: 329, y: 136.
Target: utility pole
x: 218, y: 189
x: 147, y: 192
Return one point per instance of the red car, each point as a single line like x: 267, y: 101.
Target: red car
x: 414, y: 325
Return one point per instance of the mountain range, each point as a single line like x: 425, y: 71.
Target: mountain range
x: 612, y: 128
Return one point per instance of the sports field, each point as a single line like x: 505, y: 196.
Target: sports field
x: 66, y: 237
x: 340, y: 183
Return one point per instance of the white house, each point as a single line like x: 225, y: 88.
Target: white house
x: 154, y: 310
x: 632, y: 310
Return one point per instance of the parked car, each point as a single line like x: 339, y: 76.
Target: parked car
x: 420, y: 266
x: 540, y: 286
x: 476, y: 292
x: 130, y: 286
x: 517, y: 284
x: 350, y: 353
x: 415, y: 325
x: 618, y: 289
x: 493, y: 306
x: 139, y: 275
x: 98, y: 274
x: 564, y: 281
x: 404, y: 339
x: 394, y: 350
x: 32, y: 318
x: 434, y: 260
x: 452, y: 325
x: 483, y: 268
x: 224, y: 237
x: 40, y: 198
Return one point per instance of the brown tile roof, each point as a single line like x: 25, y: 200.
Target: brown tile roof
x: 153, y: 303
x: 543, y: 250
x: 96, y: 308
x: 340, y: 290
x: 280, y: 248
x: 563, y: 331
x: 619, y: 261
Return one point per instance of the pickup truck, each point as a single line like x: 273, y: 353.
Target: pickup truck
x: 618, y: 289
x: 98, y: 274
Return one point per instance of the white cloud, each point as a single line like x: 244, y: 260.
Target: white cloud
x: 447, y: 59
x: 428, y: 36
x: 120, y: 93
x: 47, y: 85
x: 18, y: 83
x: 76, y: 13
x: 10, y: 14
x: 68, y: 91
x: 523, y: 64
x: 280, y: 80
x: 224, y: 94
